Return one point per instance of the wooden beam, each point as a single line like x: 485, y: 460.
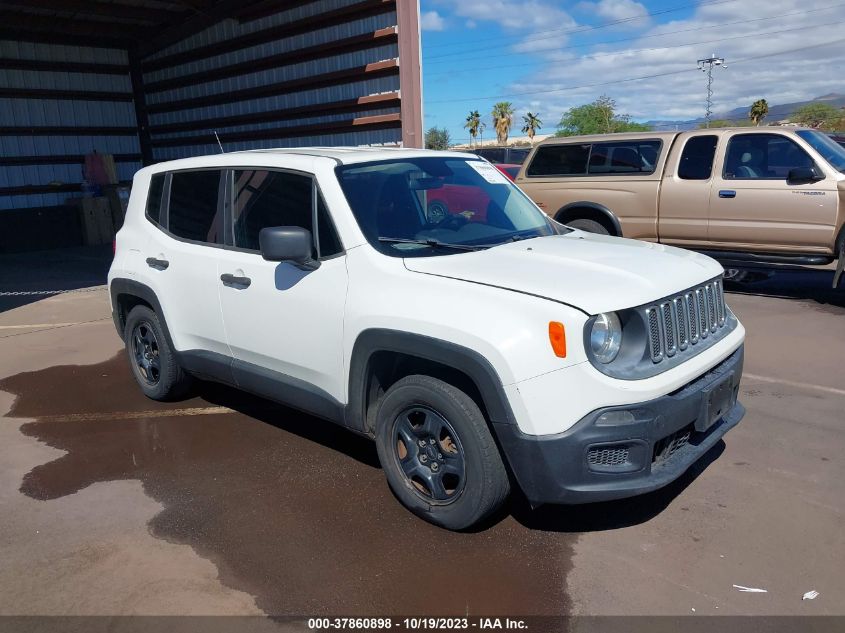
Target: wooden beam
x: 309, y: 53
x: 381, y: 122
x: 61, y: 159
x: 8, y: 63
x: 347, y: 106
x: 359, y: 73
x: 311, y: 23
x: 60, y: 130
x: 94, y: 8
x: 64, y: 95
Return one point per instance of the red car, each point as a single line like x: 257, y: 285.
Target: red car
x: 465, y: 200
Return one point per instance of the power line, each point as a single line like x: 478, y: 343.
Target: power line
x: 582, y: 29
x: 630, y: 79
x: 465, y: 58
x: 640, y: 50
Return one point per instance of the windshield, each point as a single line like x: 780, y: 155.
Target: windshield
x: 830, y: 150
x: 420, y: 206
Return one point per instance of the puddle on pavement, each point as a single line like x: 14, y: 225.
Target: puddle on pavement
x: 291, y: 509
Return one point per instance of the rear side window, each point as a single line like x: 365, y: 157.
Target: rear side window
x: 154, y: 198
x: 560, y: 160
x: 624, y: 157
x: 194, y: 212
x: 697, y: 158
x: 263, y: 198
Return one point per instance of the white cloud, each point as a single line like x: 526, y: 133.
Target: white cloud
x: 755, y: 69
x: 432, y: 21
x: 513, y: 14
x: 471, y: 24
x: 615, y: 10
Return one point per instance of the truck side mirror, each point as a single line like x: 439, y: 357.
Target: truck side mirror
x: 803, y: 175
x: 288, y: 244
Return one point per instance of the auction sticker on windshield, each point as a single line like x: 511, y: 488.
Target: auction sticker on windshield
x: 488, y: 172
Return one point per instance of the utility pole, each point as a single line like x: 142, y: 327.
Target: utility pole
x: 706, y: 65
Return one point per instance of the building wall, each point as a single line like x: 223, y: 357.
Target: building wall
x: 323, y: 73
x: 58, y: 103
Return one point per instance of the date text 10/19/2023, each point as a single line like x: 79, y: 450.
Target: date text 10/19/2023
x: 415, y: 623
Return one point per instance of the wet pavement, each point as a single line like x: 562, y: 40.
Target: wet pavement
x: 248, y: 507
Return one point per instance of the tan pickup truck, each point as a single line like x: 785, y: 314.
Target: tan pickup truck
x: 747, y: 196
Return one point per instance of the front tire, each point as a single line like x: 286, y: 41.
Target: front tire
x: 153, y: 362
x: 437, y: 453
x: 590, y: 226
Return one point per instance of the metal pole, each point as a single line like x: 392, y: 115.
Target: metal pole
x: 706, y: 65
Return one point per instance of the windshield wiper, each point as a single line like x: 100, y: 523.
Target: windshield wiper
x: 431, y: 243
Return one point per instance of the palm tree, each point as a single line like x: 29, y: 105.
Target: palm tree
x: 532, y: 124
x: 759, y: 110
x: 473, y: 124
x: 502, y: 120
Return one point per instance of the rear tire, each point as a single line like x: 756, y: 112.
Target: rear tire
x: 438, y: 454
x: 590, y: 226
x: 153, y: 362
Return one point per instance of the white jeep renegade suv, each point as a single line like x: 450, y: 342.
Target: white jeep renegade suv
x: 420, y: 298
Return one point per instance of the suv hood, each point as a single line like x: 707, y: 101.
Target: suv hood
x: 595, y: 273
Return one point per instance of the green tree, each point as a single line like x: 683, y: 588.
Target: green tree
x: 818, y: 115
x: 502, y: 120
x: 532, y: 124
x: 759, y: 110
x: 437, y: 138
x: 473, y: 124
x: 598, y: 117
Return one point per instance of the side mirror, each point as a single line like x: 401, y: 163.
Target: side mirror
x: 288, y: 244
x: 803, y: 175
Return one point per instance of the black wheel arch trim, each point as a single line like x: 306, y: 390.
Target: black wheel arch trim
x: 122, y: 286
x: 465, y: 360
x: 594, y: 206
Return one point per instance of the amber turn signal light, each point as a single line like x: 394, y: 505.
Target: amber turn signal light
x: 557, y: 337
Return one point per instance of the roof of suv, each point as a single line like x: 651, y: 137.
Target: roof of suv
x: 349, y: 155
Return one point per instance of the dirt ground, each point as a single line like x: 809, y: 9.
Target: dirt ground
x: 227, y: 504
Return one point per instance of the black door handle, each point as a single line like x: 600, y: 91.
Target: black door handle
x: 158, y: 264
x: 229, y: 279
x: 727, y: 193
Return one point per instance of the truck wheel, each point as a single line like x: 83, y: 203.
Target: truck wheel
x: 437, y: 453
x: 590, y: 226
x: 150, y: 357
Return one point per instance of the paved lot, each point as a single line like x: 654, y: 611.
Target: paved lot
x: 112, y: 503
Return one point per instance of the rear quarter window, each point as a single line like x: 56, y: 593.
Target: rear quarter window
x: 154, y: 195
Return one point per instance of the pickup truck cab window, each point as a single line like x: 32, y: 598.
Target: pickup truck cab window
x: 421, y: 206
x: 697, y: 158
x: 763, y: 157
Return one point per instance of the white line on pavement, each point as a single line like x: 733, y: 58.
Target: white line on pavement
x: 799, y: 385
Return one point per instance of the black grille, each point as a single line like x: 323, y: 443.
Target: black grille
x: 671, y: 444
x: 614, y: 455
x: 679, y: 323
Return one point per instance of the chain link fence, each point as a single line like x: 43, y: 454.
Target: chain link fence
x: 32, y: 293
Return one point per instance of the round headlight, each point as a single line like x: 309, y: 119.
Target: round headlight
x: 606, y: 337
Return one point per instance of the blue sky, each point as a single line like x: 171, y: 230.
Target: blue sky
x: 547, y: 56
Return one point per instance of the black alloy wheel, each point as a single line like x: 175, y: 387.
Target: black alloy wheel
x: 429, y: 454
